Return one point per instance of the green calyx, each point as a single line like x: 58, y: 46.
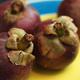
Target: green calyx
x: 62, y: 30
x: 70, y: 39
x: 67, y: 22
x: 21, y: 45
x: 17, y: 31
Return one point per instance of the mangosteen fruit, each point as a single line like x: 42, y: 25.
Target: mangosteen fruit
x: 56, y: 43
x: 17, y: 13
x: 71, y: 8
x: 16, y: 59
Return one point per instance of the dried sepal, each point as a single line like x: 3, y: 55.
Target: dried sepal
x: 50, y: 30
x: 57, y: 49
x: 43, y: 45
x: 70, y: 39
x: 18, y: 31
x: 12, y: 42
x: 55, y: 29
x: 65, y: 20
x: 50, y: 47
x: 66, y: 32
x: 73, y: 27
x: 9, y: 18
x: 20, y: 58
x: 29, y: 49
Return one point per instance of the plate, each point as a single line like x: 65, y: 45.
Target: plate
x: 47, y: 10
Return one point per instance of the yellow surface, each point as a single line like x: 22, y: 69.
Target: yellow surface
x: 72, y: 72
x: 48, y: 16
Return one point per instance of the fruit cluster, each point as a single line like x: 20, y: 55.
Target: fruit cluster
x: 53, y: 43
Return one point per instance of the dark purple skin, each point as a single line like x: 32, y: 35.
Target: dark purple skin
x: 58, y: 63
x: 9, y: 71
x: 71, y: 8
x: 28, y: 22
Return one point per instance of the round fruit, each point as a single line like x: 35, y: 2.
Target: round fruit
x: 56, y: 43
x: 18, y: 14
x: 15, y: 63
x: 71, y: 8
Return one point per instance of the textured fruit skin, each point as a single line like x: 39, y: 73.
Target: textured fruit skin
x: 71, y: 8
x: 58, y: 63
x: 28, y: 21
x: 9, y: 71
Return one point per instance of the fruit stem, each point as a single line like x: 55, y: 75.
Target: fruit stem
x: 59, y: 29
x: 25, y: 41
x: 58, y: 26
x: 55, y: 29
